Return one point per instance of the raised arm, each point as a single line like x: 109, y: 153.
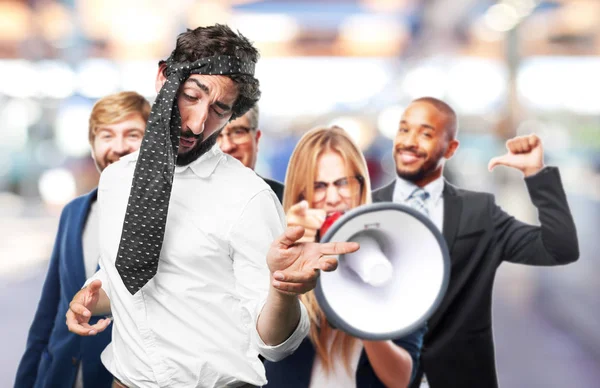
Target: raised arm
x: 555, y: 241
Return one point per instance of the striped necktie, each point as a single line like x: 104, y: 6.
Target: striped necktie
x: 417, y: 199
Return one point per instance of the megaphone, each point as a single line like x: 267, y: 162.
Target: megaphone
x: 394, y: 282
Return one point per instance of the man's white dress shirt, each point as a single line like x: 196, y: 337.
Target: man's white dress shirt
x: 194, y: 323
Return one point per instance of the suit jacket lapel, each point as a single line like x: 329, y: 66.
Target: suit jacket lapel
x: 385, y: 194
x: 452, y: 211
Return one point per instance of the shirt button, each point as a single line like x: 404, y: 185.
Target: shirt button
x: 74, y: 361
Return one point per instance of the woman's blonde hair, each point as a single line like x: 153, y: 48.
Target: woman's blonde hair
x: 299, y: 185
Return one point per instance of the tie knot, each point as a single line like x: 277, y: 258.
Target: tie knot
x: 419, y: 193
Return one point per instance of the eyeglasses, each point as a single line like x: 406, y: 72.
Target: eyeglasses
x: 347, y: 187
x: 237, y: 135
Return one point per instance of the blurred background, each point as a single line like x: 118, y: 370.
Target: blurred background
x: 508, y: 67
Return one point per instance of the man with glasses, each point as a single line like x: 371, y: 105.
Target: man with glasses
x: 240, y: 140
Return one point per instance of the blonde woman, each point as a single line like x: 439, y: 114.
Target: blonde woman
x: 327, y: 173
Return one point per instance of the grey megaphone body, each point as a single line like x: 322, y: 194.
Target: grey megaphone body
x: 394, y: 282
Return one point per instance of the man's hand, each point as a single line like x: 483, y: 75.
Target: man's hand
x: 80, y: 311
x: 295, y: 266
x: 310, y: 219
x: 525, y: 153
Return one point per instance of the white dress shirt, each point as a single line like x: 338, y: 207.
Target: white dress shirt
x: 434, y: 204
x: 90, y: 243
x: 194, y: 323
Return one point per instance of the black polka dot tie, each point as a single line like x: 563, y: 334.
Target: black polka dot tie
x: 147, y: 207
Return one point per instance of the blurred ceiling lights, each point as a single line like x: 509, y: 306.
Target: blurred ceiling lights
x: 55, y: 21
x: 389, y: 120
x: 98, y: 78
x: 373, y: 34
x: 389, y: 5
x: 16, y: 116
x: 358, y: 130
x: 318, y: 85
x: 265, y: 27
x: 15, y: 21
x: 71, y: 127
x: 57, y: 186
x: 506, y: 14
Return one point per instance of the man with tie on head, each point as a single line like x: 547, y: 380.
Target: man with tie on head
x: 196, y: 266
x: 458, y: 349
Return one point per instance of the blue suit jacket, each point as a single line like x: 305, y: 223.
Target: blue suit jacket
x: 53, y: 354
x: 295, y: 370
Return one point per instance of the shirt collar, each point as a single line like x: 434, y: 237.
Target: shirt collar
x: 403, y: 189
x: 203, y: 167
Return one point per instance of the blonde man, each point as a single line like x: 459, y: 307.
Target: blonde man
x: 54, y: 357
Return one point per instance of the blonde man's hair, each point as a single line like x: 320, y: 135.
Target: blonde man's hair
x: 115, y: 108
x: 299, y: 179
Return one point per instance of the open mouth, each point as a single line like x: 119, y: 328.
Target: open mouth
x: 187, y: 142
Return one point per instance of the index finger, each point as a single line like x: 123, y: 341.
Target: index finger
x: 79, y: 309
x: 299, y: 208
x: 94, y: 286
x: 338, y: 248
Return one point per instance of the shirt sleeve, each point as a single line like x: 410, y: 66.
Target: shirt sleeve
x: 260, y: 223
x: 554, y: 241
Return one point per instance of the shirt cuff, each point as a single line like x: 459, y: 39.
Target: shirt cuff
x: 287, y: 347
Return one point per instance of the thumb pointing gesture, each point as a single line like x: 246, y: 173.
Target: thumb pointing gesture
x: 525, y: 153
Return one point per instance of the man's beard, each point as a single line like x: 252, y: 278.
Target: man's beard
x: 199, y: 149
x: 428, y: 167
x: 107, y: 160
x: 413, y: 176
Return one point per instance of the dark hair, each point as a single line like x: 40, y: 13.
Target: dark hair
x: 221, y: 40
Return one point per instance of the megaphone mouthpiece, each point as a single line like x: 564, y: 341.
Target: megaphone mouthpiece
x: 369, y: 263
